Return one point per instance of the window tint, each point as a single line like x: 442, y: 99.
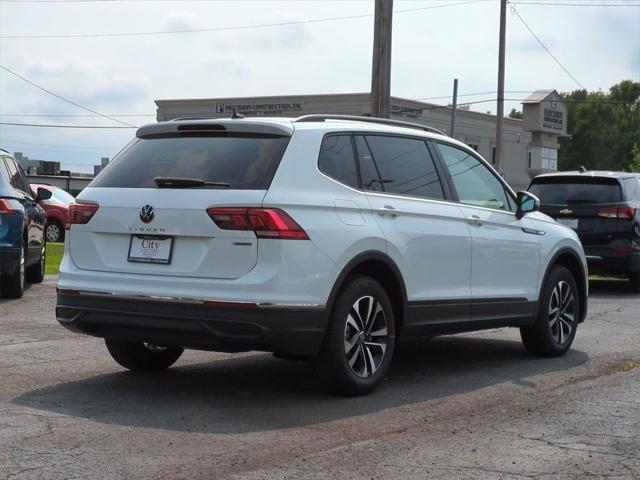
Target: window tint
x: 15, y: 179
x: 368, y: 170
x: 337, y: 159
x: 244, y: 161
x: 564, y: 190
x: 24, y: 182
x: 474, y: 182
x: 406, y: 167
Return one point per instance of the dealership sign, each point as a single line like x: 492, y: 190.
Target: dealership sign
x: 553, y: 119
x: 258, y: 108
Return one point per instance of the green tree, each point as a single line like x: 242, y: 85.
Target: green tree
x: 604, y: 128
x: 515, y: 114
x: 634, y: 166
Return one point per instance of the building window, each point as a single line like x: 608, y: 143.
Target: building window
x: 529, y: 159
x: 493, y: 156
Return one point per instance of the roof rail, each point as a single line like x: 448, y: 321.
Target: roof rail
x: 356, y: 118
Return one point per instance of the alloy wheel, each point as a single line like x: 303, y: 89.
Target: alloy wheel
x: 365, y: 336
x: 562, y: 312
x: 53, y: 232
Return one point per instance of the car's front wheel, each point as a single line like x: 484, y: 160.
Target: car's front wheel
x: 360, y: 339
x: 143, y: 357
x: 558, y: 315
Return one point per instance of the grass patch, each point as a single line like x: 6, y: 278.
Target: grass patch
x: 54, y: 257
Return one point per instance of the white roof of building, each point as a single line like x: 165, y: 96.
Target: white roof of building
x: 539, y: 96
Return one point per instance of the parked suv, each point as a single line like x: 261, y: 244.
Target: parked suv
x: 324, y: 237
x: 604, y: 208
x: 22, y: 220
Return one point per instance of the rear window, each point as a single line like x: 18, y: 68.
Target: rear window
x: 563, y: 191
x: 245, y: 162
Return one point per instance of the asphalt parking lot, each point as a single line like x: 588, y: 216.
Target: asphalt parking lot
x: 469, y: 406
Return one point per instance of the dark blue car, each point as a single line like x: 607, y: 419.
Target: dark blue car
x: 22, y: 222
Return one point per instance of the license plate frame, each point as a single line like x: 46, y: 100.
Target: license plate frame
x: 572, y: 223
x: 164, y: 258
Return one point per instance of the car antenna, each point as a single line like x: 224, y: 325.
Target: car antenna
x: 582, y: 169
x: 236, y: 114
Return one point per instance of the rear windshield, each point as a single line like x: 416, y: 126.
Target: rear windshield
x: 245, y: 162
x: 563, y: 191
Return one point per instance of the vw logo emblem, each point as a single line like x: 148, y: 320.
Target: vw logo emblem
x: 147, y: 213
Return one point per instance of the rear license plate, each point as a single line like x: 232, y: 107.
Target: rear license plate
x: 150, y: 249
x: 568, y: 222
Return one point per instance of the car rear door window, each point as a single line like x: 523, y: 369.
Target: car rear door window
x: 244, y: 161
x: 337, y: 159
x: 15, y: 179
x: 405, y: 166
x: 369, y: 174
x: 473, y: 181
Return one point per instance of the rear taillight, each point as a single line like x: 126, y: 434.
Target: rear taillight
x: 80, y: 213
x: 624, y: 213
x: 6, y: 209
x: 265, y: 222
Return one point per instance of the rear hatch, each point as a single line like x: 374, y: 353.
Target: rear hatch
x: 593, y: 206
x: 146, y: 212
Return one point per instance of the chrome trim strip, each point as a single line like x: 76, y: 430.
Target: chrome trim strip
x: 533, y: 231
x: 159, y: 298
x: 593, y: 257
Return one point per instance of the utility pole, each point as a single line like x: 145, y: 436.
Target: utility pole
x: 454, y: 107
x: 381, y: 67
x: 500, y: 106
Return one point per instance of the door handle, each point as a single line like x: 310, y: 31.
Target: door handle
x: 388, y: 211
x: 475, y: 220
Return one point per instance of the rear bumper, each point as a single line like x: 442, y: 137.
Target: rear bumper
x: 292, y: 330
x: 605, y: 260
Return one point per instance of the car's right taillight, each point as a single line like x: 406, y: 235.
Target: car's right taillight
x: 265, y: 222
x: 6, y: 209
x: 625, y: 213
x: 80, y: 213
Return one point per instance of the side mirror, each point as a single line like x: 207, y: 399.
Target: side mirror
x: 43, y: 194
x: 526, y: 202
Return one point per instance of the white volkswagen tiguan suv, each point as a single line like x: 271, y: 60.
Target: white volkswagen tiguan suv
x: 324, y: 237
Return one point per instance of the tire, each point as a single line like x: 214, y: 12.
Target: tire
x: 13, y: 285
x: 142, y: 357
x: 558, y: 316
x: 54, y: 231
x: 634, y: 278
x: 360, y: 339
x: 35, y: 272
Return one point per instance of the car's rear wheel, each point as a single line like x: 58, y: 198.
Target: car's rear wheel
x: 13, y: 284
x: 558, y: 316
x: 35, y: 272
x: 144, y: 357
x: 360, y: 339
x: 54, y: 231
x: 634, y: 279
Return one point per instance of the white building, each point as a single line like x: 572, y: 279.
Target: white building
x: 530, y: 144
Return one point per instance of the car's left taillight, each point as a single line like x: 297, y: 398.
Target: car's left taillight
x: 81, y: 212
x: 5, y: 208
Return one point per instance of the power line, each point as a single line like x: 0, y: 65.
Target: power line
x: 545, y: 47
x: 61, y: 115
x: 65, y: 99
x: 61, y: 126
x: 240, y: 27
x: 21, y: 142
x: 563, y: 4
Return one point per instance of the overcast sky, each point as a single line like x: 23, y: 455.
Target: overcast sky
x: 123, y: 75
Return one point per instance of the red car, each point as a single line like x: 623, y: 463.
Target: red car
x: 57, y: 208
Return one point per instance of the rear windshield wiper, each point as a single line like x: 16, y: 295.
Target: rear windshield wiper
x: 176, y: 182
